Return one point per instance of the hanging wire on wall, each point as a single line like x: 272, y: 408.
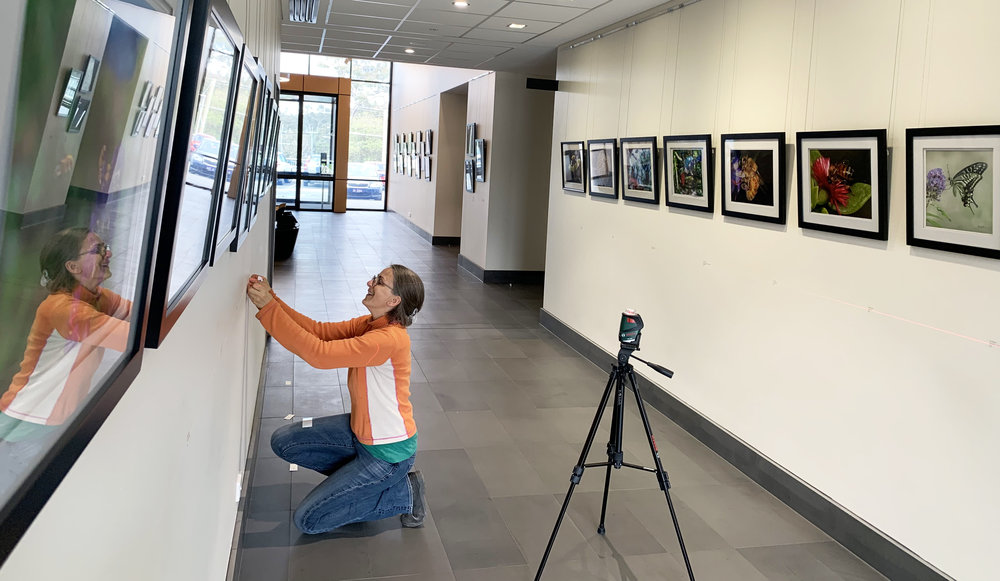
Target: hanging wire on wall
x: 632, y: 23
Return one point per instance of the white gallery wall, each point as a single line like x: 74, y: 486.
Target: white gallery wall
x: 868, y: 369
x: 153, y: 496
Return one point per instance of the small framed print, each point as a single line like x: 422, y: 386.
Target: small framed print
x: 79, y: 114
x: 687, y: 160
x: 90, y: 75
x: 753, y: 176
x: 73, y: 79
x: 640, y: 182
x: 428, y: 142
x: 842, y: 182
x: 427, y: 167
x: 147, y: 93
x: 470, y: 139
x: 603, y: 167
x: 574, y: 168
x: 480, y: 160
x: 952, y: 191
x: 470, y: 175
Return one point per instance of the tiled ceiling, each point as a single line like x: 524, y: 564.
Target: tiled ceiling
x: 440, y: 33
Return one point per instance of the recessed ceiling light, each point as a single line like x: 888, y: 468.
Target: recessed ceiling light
x: 460, y: 4
x: 516, y: 26
x: 409, y: 51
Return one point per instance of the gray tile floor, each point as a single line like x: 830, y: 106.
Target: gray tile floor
x: 503, y: 408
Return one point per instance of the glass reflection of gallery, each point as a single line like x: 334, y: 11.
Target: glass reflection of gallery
x: 114, y: 143
x: 305, y: 163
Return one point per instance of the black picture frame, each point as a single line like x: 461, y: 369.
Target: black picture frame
x: 79, y: 114
x: 427, y: 167
x: 428, y: 142
x: 952, y: 189
x: 573, y: 165
x: 470, y: 139
x: 688, y: 167
x: 602, y: 167
x: 852, y: 165
x: 756, y: 161
x: 470, y: 176
x: 41, y: 479
x: 480, y: 160
x: 169, y: 297
x: 229, y: 235
x: 70, y: 88
x: 640, y: 170
x: 248, y: 171
x: 90, y: 74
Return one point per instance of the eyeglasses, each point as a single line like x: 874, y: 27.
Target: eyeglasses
x: 377, y: 280
x: 101, y: 250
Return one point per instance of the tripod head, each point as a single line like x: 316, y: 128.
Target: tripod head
x: 629, y: 334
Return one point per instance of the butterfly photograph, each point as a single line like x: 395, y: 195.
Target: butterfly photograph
x: 842, y: 182
x: 753, y: 176
x: 952, y: 190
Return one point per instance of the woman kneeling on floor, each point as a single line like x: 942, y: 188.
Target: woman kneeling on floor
x: 366, y: 454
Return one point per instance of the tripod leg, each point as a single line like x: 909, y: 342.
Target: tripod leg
x: 614, y: 379
x: 661, y: 474
x: 615, y: 455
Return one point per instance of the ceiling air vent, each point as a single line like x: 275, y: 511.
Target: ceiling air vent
x: 303, y: 10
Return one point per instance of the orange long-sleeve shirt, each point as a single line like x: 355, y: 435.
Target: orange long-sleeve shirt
x: 65, y: 347
x: 377, y: 355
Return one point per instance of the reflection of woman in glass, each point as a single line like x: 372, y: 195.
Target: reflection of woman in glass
x: 66, y: 343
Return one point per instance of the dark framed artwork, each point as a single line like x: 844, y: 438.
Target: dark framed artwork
x: 427, y: 167
x: 79, y: 115
x: 90, y: 74
x: 753, y: 176
x: 70, y: 89
x: 480, y: 159
x: 603, y: 167
x: 574, y: 167
x: 470, y: 176
x: 640, y: 180
x: 250, y: 146
x: 952, y: 191
x: 842, y: 182
x: 428, y: 142
x: 234, y: 152
x: 687, y: 160
x: 470, y: 139
x: 195, y: 181
x: 101, y: 190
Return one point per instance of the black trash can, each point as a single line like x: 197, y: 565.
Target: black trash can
x: 286, y: 231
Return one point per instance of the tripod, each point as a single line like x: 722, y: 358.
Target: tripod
x: 619, y: 372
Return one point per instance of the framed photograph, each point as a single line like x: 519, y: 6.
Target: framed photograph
x: 470, y: 139
x: 405, y: 164
x: 753, y: 176
x: 470, y: 175
x: 842, y: 184
x: 480, y: 160
x: 574, y: 170
x: 952, y: 192
x: 79, y: 115
x: 73, y: 79
x: 640, y: 181
x: 60, y: 389
x: 428, y: 142
x: 147, y: 93
x: 603, y: 167
x: 687, y: 160
x: 427, y: 167
x: 90, y: 75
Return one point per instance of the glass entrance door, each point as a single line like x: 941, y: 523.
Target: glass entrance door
x: 306, y: 151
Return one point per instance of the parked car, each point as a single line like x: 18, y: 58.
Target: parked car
x: 198, y: 138
x: 284, y: 166
x: 363, y: 182
x: 205, y: 158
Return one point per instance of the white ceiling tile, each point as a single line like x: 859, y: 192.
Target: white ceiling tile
x: 533, y: 26
x: 472, y: 50
x: 402, y: 43
x: 540, y: 12
x: 432, y: 29
x: 586, y: 4
x: 349, y: 44
x: 449, y: 17
x: 381, y: 9
x: 475, y: 6
x: 368, y: 22
x: 369, y: 36
x: 297, y: 31
x: 502, y: 35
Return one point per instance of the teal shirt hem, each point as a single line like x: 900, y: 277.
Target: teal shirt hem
x: 395, y: 452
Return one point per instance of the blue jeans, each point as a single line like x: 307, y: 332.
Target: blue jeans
x: 359, y: 487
